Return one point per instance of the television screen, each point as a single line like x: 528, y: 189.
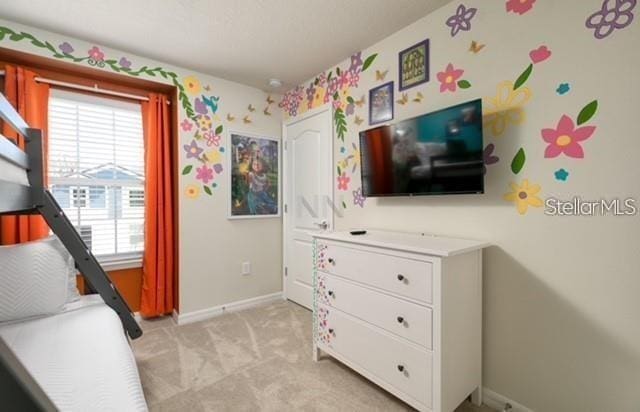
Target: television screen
x: 433, y: 154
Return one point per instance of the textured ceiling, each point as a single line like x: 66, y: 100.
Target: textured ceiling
x: 248, y: 41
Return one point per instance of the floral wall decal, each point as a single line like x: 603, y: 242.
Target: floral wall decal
x: 524, y: 195
x: 358, y: 197
x: 566, y: 138
x: 540, y: 54
x: 488, y: 158
x: 561, y: 175
x: 563, y: 88
x: 461, y: 20
x: 506, y: 107
x: 519, y: 6
x: 450, y: 79
x: 613, y: 15
x: 518, y: 161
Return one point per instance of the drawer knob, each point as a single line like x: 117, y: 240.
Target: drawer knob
x: 400, y: 319
x: 400, y: 277
x: 401, y: 368
x: 331, y: 294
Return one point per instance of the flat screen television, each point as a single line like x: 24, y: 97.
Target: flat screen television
x: 437, y: 153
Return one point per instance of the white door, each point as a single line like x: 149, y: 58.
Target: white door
x: 308, y: 197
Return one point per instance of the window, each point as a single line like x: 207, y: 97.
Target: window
x: 96, y: 171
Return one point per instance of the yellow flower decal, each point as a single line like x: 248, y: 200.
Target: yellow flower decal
x: 506, y: 107
x: 524, y: 195
x: 192, y: 191
x: 318, y: 97
x: 213, y: 156
x: 192, y: 84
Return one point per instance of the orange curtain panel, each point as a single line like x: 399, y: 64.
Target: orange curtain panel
x: 31, y: 99
x: 158, y: 263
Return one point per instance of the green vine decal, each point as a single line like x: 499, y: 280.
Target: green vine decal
x: 341, y: 123
x: 96, y: 58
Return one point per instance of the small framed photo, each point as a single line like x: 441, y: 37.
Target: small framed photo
x: 254, y: 173
x: 414, y: 65
x: 381, y: 103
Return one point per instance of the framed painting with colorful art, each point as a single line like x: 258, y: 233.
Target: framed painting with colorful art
x: 254, y: 165
x: 414, y: 65
x: 381, y: 103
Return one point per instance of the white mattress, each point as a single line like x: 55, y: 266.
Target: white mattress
x: 80, y: 357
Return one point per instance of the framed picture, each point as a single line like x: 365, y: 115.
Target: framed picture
x: 254, y: 165
x: 414, y: 65
x: 381, y: 103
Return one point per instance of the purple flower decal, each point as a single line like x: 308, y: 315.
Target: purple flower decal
x: 218, y: 168
x: 349, y: 110
x: 614, y: 14
x: 66, y: 48
x: 461, y: 20
x: 358, y: 198
x: 488, y: 157
x: 125, y: 63
x: 193, y: 150
x: 204, y: 173
x: 354, y: 79
x: 311, y: 92
x: 199, y: 106
x: 356, y: 62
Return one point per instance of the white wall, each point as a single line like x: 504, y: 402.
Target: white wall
x: 212, y: 248
x: 561, y: 305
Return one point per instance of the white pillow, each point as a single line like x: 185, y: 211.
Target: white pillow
x: 34, y: 278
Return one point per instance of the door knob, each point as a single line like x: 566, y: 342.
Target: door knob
x: 324, y: 225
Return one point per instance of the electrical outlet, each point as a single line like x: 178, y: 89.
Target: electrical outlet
x: 246, y: 268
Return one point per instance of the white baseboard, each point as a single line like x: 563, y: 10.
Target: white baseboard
x: 498, y: 402
x: 198, y: 315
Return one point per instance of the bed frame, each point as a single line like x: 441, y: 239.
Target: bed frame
x: 34, y: 198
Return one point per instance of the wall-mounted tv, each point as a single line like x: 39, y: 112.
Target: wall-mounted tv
x: 437, y: 153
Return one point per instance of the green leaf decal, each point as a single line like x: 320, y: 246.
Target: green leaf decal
x: 350, y: 100
x: 369, y: 61
x: 219, y: 129
x: 187, y: 170
x: 340, y: 121
x: 344, y: 205
x: 207, y: 190
x: 464, y: 84
x: 337, y: 71
x: 587, y: 112
x: 329, y: 75
x: 339, y: 171
x: 523, y: 77
x: 518, y: 161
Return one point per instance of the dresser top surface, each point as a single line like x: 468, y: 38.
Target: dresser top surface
x: 426, y: 244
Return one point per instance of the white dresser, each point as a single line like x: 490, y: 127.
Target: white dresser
x: 403, y: 310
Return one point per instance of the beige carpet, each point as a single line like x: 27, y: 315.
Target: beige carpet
x: 254, y: 360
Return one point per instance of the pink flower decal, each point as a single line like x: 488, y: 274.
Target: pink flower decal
x: 212, y: 139
x: 566, y: 138
x: 343, y: 181
x: 540, y: 54
x: 96, y: 54
x: 204, y: 173
x: 448, y: 78
x: 519, y: 6
x: 186, y: 125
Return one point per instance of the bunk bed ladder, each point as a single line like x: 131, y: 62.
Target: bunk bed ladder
x: 87, y: 262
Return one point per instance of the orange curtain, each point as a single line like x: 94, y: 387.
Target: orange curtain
x: 31, y: 99
x: 158, y: 266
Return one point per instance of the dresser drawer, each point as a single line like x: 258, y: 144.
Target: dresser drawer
x: 406, y: 277
x: 403, y: 318
x: 400, y: 364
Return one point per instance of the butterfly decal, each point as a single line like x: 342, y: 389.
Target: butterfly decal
x: 475, y: 47
x: 404, y: 100
x: 246, y: 119
x: 270, y: 99
x: 358, y: 120
x: 212, y: 102
x: 418, y: 98
x: 266, y: 111
x: 230, y: 117
x: 360, y: 102
x: 381, y: 75
x: 251, y: 108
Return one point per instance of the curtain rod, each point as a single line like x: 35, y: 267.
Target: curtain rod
x: 94, y: 89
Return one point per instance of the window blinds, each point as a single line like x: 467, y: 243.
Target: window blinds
x: 96, y: 171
